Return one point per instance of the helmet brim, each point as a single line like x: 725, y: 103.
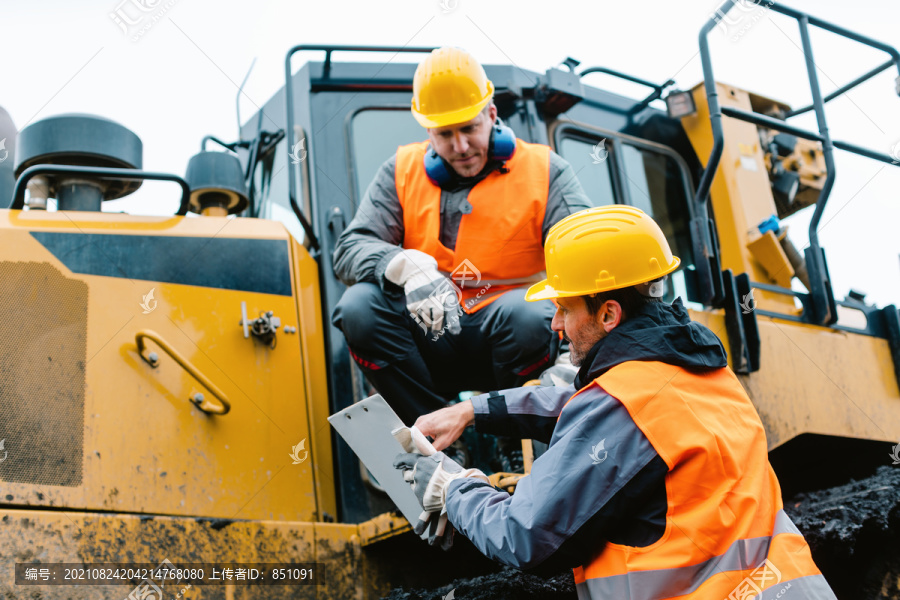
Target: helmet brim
x: 542, y: 290
x: 455, y: 117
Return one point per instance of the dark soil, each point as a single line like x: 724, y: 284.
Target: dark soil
x: 854, y: 533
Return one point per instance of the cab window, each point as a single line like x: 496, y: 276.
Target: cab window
x: 375, y: 135
x: 591, y: 165
x: 614, y: 170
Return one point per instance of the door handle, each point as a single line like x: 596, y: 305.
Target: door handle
x: 198, y: 400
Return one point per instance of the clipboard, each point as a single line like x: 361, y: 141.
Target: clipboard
x: 366, y: 427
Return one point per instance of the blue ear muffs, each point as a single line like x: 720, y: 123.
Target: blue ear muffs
x: 503, y: 142
x: 503, y: 146
x: 436, y: 169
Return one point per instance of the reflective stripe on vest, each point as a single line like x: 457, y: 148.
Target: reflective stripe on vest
x: 726, y: 534
x: 499, y: 245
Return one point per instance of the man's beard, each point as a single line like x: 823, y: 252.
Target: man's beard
x: 574, y: 357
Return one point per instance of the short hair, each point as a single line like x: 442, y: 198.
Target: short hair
x: 631, y: 300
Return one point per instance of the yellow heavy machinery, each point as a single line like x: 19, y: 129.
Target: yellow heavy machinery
x: 165, y: 381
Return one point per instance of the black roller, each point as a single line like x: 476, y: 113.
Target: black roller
x: 81, y: 140
x: 216, y: 179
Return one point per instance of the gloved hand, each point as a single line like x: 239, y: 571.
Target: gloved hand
x: 413, y: 440
x: 433, y: 526
x: 505, y: 481
x: 429, y: 477
x: 431, y: 298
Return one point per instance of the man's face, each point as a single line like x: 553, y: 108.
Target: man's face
x: 465, y: 146
x: 582, y: 329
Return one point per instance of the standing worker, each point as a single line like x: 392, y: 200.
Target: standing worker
x: 657, y: 482
x: 444, y: 244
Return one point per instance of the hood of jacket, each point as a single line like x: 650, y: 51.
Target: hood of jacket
x: 661, y: 332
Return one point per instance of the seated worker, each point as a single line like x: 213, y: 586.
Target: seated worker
x: 657, y: 483
x: 447, y: 238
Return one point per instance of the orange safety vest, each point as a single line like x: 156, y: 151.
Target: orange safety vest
x: 500, y: 243
x: 726, y: 534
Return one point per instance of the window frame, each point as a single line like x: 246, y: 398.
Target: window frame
x: 588, y: 133
x: 583, y: 132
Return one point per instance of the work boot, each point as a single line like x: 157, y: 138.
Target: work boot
x: 509, y: 456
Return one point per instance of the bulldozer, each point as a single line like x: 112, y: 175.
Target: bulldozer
x: 165, y: 381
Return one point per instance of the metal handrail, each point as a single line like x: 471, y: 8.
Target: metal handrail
x: 658, y: 88
x: 289, y: 109
x: 205, y: 405
x: 843, y: 90
x: 18, y: 198
x: 821, y: 296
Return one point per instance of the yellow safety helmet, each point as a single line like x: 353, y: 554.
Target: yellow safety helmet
x: 449, y: 87
x: 601, y: 249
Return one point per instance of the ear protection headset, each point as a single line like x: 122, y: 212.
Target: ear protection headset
x: 503, y: 146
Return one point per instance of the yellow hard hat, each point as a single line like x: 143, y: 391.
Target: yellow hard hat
x: 601, y: 249
x: 449, y: 87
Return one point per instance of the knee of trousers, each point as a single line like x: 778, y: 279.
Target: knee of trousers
x: 531, y: 323
x: 356, y: 314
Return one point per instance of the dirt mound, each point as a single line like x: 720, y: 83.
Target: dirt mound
x: 853, y: 531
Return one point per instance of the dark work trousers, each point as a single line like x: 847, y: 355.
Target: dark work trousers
x: 501, y: 346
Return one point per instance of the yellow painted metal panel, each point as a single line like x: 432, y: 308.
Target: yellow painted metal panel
x: 32, y: 536
x: 146, y: 448
x: 312, y: 339
x: 818, y: 380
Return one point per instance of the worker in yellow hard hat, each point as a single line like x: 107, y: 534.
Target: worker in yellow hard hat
x: 445, y: 242
x: 657, y: 482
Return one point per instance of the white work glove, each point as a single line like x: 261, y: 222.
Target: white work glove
x: 429, y: 472
x: 430, y: 476
x: 431, y: 298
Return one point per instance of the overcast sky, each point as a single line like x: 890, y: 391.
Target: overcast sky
x: 173, y: 77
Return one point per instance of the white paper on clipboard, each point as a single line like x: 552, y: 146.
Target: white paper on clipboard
x: 366, y: 427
